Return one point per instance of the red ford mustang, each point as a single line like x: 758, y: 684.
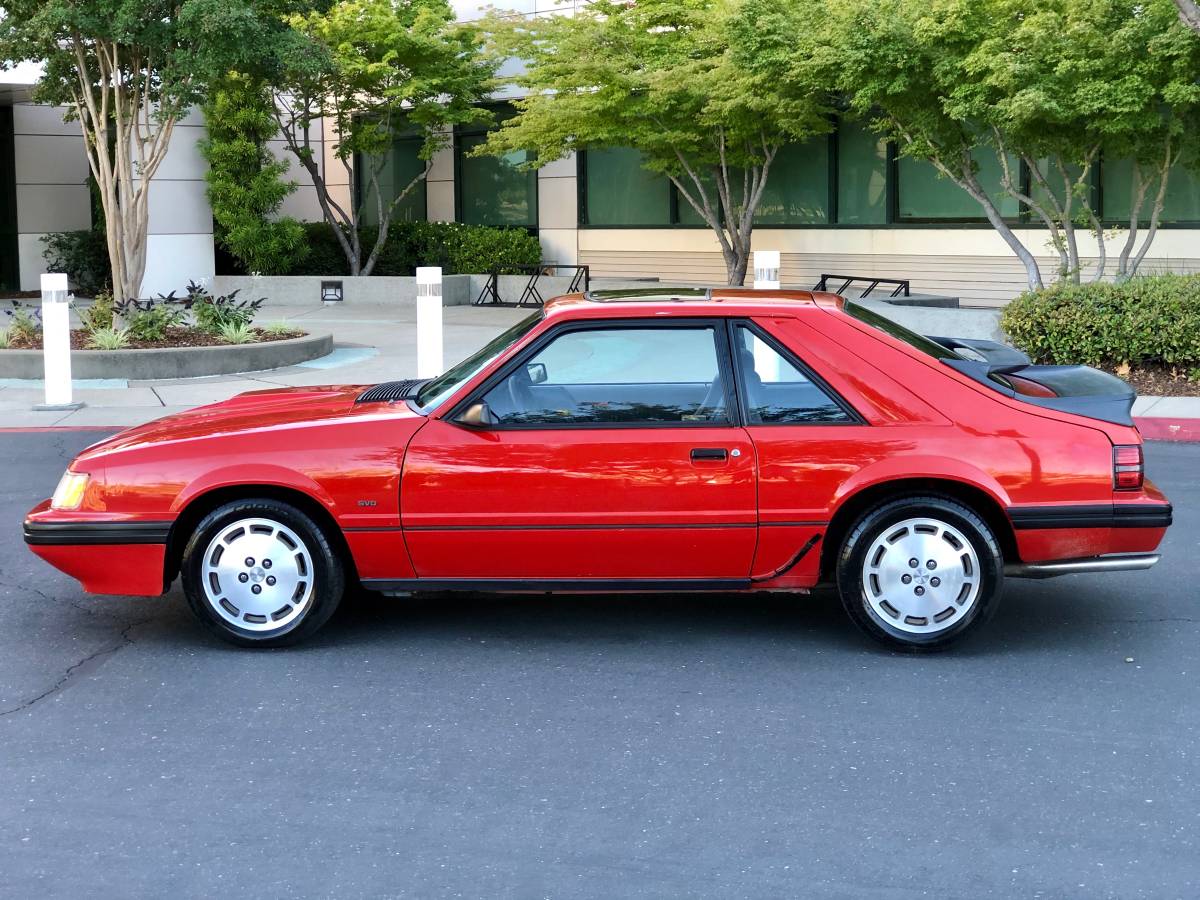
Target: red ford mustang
x: 719, y: 440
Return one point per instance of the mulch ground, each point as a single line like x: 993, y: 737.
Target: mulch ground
x: 1162, y: 381
x: 176, y: 337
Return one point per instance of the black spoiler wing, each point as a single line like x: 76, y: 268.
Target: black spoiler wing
x: 1081, y: 390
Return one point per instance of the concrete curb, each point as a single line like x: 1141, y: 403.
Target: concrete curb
x: 1160, y: 428
x: 173, y: 362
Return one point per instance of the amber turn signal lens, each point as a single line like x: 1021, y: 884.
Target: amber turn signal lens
x: 69, y: 493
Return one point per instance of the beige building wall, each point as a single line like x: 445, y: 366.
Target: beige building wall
x: 51, y: 183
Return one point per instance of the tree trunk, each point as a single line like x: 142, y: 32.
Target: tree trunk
x: 112, y: 97
x: 1189, y: 13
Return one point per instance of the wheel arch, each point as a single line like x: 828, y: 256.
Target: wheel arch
x: 201, y: 503
x: 976, y: 498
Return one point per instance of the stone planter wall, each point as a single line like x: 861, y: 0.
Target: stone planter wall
x: 305, y: 290
x: 173, y: 362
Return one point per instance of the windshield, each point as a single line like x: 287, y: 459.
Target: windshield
x: 900, y: 333
x: 435, y: 392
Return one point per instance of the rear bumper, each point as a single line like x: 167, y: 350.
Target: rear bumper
x: 1116, y: 562
x: 1088, y: 538
x: 106, y: 557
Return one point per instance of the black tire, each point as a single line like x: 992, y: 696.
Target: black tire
x: 321, y: 566
x: 867, y: 599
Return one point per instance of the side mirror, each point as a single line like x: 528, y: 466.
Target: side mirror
x: 477, y: 415
x: 537, y: 373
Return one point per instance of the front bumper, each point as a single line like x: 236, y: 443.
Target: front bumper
x: 111, y: 556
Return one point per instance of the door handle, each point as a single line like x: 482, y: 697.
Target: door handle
x: 710, y: 454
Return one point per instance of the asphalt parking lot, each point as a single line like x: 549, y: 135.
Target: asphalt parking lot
x: 600, y: 747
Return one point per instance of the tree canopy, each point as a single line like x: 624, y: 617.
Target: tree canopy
x: 1051, y: 84
x: 128, y: 70
x: 368, y: 70
x: 661, y: 77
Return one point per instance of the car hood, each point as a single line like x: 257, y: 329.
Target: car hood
x: 253, y: 411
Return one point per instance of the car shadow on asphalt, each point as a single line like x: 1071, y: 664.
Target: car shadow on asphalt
x: 1030, y: 618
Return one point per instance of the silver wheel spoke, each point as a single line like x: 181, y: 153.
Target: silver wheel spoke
x: 921, y: 575
x: 255, y: 568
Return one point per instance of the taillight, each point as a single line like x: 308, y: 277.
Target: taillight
x: 1128, y: 470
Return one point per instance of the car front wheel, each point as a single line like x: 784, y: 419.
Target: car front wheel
x: 261, y: 573
x: 920, y: 573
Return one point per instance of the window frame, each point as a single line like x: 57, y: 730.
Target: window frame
x: 476, y: 129
x: 853, y: 417
x: 721, y: 338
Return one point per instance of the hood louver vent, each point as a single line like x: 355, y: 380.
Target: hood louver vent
x: 390, y: 390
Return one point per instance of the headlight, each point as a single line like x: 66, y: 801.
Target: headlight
x: 69, y: 493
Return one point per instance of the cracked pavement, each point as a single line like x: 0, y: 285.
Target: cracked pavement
x: 600, y: 746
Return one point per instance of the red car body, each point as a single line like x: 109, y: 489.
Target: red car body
x: 424, y: 501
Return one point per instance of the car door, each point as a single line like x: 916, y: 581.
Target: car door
x: 807, y: 441
x: 606, y: 451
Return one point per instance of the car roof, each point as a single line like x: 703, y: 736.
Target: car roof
x: 670, y: 301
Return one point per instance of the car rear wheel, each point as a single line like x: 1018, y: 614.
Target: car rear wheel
x: 261, y: 573
x: 920, y: 573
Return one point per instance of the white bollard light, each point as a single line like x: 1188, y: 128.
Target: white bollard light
x: 766, y: 270
x: 429, y: 321
x: 767, y: 363
x: 56, y: 342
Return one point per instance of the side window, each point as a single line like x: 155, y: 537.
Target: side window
x: 602, y: 376
x: 776, y: 391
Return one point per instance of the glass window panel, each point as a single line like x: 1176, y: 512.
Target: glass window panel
x: 687, y: 214
x: 492, y: 189
x: 776, y: 391
x: 621, y: 192
x: 1182, y: 203
x: 402, y: 165
x: 797, y: 191
x: 1057, y: 187
x: 862, y: 175
x: 613, y: 376
x: 924, y: 193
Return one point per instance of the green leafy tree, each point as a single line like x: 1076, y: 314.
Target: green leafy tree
x: 127, y: 71
x: 367, y: 69
x: 1048, y: 83
x: 245, y: 184
x: 667, y: 78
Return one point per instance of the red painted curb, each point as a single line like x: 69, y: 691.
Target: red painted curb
x: 1161, y: 428
x: 36, y: 428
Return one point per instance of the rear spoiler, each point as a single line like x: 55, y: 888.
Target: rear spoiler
x: 1082, y: 390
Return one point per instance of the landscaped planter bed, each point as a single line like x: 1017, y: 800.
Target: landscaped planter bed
x: 174, y: 361
x: 175, y: 337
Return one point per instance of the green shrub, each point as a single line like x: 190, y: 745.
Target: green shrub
x: 237, y: 333
x: 24, y: 324
x: 148, y: 320
x: 83, y: 255
x: 277, y: 328
x: 5, y: 339
x: 459, y: 249
x: 1149, y: 319
x: 109, y: 339
x: 99, y: 315
x: 211, y: 313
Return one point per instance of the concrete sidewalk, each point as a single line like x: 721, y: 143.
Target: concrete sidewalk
x: 376, y: 342
x: 372, y: 343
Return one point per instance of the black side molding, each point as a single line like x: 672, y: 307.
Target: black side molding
x: 65, y: 533
x: 537, y: 585
x: 1105, y: 515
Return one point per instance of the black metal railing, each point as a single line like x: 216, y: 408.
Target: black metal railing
x: 871, y: 281
x: 530, y: 295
